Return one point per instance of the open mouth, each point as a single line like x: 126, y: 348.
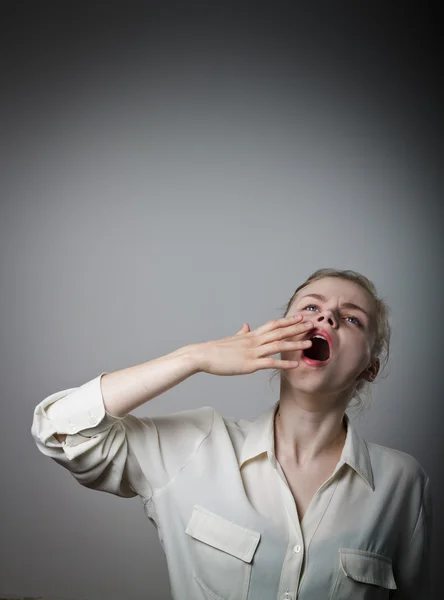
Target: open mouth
x: 319, y: 350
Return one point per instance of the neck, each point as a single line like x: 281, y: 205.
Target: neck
x: 304, y: 436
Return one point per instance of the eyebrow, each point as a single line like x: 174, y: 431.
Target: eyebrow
x: 345, y: 304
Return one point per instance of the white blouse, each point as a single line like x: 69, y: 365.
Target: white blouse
x: 225, y: 515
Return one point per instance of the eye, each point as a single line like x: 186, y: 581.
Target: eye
x: 310, y: 305
x: 358, y: 323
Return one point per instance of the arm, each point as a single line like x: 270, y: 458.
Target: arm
x: 413, y: 578
x: 121, y: 453
x: 127, y: 389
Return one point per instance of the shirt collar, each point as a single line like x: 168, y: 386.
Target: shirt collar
x: 260, y: 439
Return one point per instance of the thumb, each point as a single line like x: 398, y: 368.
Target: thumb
x: 244, y: 329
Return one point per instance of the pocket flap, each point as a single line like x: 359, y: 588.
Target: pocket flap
x: 212, y: 529
x: 367, y: 567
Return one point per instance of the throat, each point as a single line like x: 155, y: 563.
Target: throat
x: 319, y: 350
x: 290, y: 455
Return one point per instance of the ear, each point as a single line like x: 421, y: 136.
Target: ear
x: 370, y: 373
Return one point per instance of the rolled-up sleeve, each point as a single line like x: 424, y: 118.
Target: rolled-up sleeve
x: 126, y: 456
x: 414, y: 565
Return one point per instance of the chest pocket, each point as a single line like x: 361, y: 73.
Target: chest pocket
x: 222, y: 553
x: 363, y: 575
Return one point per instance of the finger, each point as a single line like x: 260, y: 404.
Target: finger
x: 282, y: 346
x: 286, y: 332
x: 275, y: 363
x: 278, y: 323
x: 244, y: 329
x: 293, y: 330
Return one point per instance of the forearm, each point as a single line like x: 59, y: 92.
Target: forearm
x: 128, y: 388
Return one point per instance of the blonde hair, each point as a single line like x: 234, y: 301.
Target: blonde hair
x: 382, y: 329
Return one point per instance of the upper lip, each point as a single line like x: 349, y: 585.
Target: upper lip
x: 324, y: 334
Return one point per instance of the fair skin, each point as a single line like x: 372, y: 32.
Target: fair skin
x: 309, y: 427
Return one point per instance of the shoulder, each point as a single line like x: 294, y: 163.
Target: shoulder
x: 201, y: 417
x: 194, y: 422
x: 400, y: 464
x: 237, y: 428
x: 239, y: 425
x: 198, y: 421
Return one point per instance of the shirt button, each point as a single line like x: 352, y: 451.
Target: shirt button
x: 93, y: 420
x: 72, y: 428
x: 297, y: 549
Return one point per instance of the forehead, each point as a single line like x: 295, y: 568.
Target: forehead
x: 343, y: 289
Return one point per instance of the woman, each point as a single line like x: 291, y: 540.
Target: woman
x: 294, y: 504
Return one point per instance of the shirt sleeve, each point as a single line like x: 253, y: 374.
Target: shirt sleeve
x: 414, y: 572
x: 126, y: 456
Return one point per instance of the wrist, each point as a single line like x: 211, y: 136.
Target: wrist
x: 194, y: 355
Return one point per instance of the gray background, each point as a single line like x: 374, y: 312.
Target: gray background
x: 170, y: 171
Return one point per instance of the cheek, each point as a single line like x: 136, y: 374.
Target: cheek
x: 359, y: 353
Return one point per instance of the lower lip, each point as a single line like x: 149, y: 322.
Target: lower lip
x: 314, y: 363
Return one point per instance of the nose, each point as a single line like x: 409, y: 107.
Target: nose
x: 329, y: 317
